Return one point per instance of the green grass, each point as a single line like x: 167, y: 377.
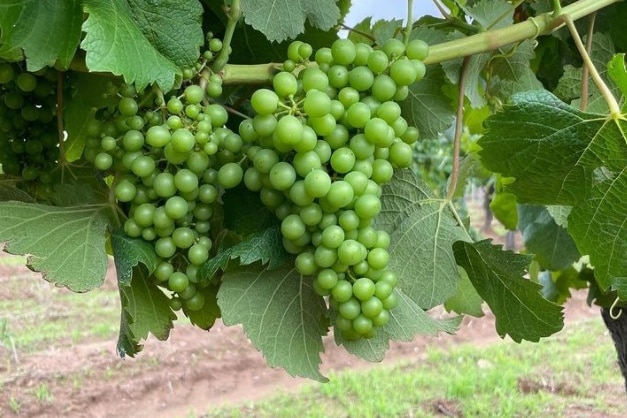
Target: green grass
x: 569, y: 370
x: 35, y: 314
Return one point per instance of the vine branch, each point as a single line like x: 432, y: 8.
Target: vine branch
x: 234, y: 13
x: 594, y: 74
x: 584, y: 75
x: 459, y: 127
x: 410, y: 21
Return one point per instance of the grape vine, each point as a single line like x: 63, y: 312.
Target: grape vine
x: 282, y: 186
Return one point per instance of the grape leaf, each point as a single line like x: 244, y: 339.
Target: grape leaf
x: 265, y: 246
x: 466, y: 299
x: 562, y: 156
x: 285, y: 19
x: 491, y: 14
x: 246, y: 214
x: 618, y: 74
x: 503, y: 206
x: 66, y: 244
x: 115, y: 43
x: 406, y: 321
x: 559, y: 214
x: 553, y: 247
x: 520, y: 140
x: 173, y: 27
x: 10, y: 192
x: 46, y: 31
x: 422, y: 231
x: 281, y: 314
x: 382, y: 30
x: 129, y: 252
x: 556, y: 285
x: 497, y: 275
x: 145, y: 309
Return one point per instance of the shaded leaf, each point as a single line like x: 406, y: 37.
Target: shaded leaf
x: 246, y: 214
x: 466, y: 300
x: 47, y: 31
x: 281, y: 313
x: 520, y: 310
x: 553, y: 247
x: 129, y: 252
x: 205, y: 317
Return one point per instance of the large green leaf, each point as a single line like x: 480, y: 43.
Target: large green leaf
x: 553, y: 247
x: 66, y: 244
x: 406, y: 321
x: 145, y: 309
x: 281, y: 313
x: 540, y: 141
x: 519, y: 308
x: 422, y: 229
x: 285, y: 19
x: 45, y: 31
x: 115, y: 42
x: 561, y: 156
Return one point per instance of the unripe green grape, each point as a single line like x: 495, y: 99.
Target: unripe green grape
x: 284, y: 84
x: 264, y: 160
x: 401, y: 93
x: 360, y: 78
x: 348, y: 220
x: 292, y: 51
x: 26, y: 82
x: 332, y: 236
x: 174, y: 122
x: 176, y: 303
x: 342, y: 160
x: 194, y: 94
x: 292, y: 227
x: 342, y: 291
x: 338, y: 76
x: 304, y: 162
x: 325, y: 257
x: 230, y: 175
x: 163, y: 271
x: 358, y: 115
x: 338, y: 138
x: 165, y: 248
x: 6, y: 73
x: 323, y: 125
x: 214, y: 89
x: 362, y: 325
x: 304, y: 51
x: 311, y: 214
x: 351, y: 252
x: 383, y: 239
x: 128, y: 106
x: 217, y: 114
x: 316, y: 103
x: 133, y: 140
x: 144, y: 214
x: 401, y: 154
x: 289, y: 130
x: 185, y: 180
x: 382, y: 171
x: 390, y: 302
x: 358, y: 181
x: 317, y: 183
x: 324, y: 56
x: 125, y: 191
x: 403, y: 72
x: 271, y: 198
x: 264, y: 125
x: 368, y: 237
x: 282, y: 176
x: 182, y: 140
x: 253, y: 179
x: 305, y: 264
x: 197, y: 162
x: 421, y: 69
x: 393, y: 47
x: 327, y: 279
x: 289, y: 65
x: 417, y: 49
x: 314, y: 78
x: 343, y: 51
x: 348, y: 96
x: 383, y: 289
x: 192, y: 111
x: 298, y: 195
x: 183, y: 237
x: 178, y: 282
x: 389, y: 111
x: 264, y: 101
x: 143, y: 166
x: 176, y: 207
x: 378, y: 132
x: 383, y: 88
x: 131, y: 228
x: 350, y: 309
x: 367, y: 206
x: 103, y: 161
x: 378, y: 258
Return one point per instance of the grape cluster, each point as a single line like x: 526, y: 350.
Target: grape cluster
x: 28, y: 124
x: 168, y: 167
x: 326, y: 138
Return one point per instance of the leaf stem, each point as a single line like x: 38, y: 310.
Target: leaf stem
x: 584, y: 74
x: 410, y: 21
x: 249, y: 74
x: 60, y: 128
x: 529, y: 29
x: 358, y: 32
x: 459, y: 127
x: 557, y: 8
x: 594, y: 74
x: 234, y: 12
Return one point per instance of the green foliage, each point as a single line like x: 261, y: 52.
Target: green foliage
x: 520, y: 311
x: 420, y: 223
x: 281, y: 314
x: 49, y: 31
x: 65, y: 244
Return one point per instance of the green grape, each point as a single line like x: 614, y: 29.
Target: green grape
x: 298, y: 194
x: 403, y: 72
x: 338, y: 138
x: 282, y: 176
x: 324, y: 125
x: 394, y: 48
x: 125, y: 191
x: 230, y: 175
x: 176, y: 207
x: 185, y: 180
x: 350, y: 309
x: 362, y: 325
x: 360, y: 78
x: 311, y: 214
x: 358, y: 182
x: 264, y: 101
x: 292, y: 51
x: 342, y: 291
x: 340, y: 194
x: 144, y: 214
x: 289, y: 130
x: 26, y: 82
x: 306, y: 264
x: 264, y: 160
x: 284, y: 84
x: 178, y: 282
x: 325, y: 257
x: 367, y: 206
x: 103, y: 161
x: 327, y: 279
x: 194, y: 94
x: 292, y: 227
x: 305, y: 162
x: 314, y: 79
x: 332, y: 236
x: 6, y: 73
x: 338, y: 76
x: 317, y: 183
x: 382, y: 171
x: 348, y: 96
x: 401, y: 154
x: 143, y: 166
x: 417, y: 49
x: 383, y: 88
x: 316, y: 104
x: 343, y: 51
x: 358, y: 115
x: 351, y: 252
x: 348, y: 220
x: 264, y: 125
x: 342, y: 160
